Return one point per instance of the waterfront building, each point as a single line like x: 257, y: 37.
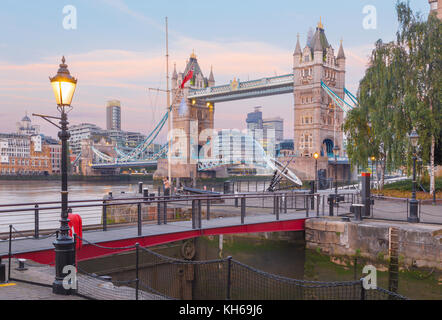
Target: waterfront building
x: 24, y: 155
x: 55, y: 153
x: 81, y: 132
x: 113, y: 115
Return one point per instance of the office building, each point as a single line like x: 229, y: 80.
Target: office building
x: 113, y: 115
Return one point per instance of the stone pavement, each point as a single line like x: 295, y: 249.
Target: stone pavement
x: 15, y: 290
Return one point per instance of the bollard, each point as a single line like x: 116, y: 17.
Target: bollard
x: 357, y: 210
x: 365, y: 192
x: 21, y: 265
x: 146, y: 194
x: 140, y: 187
x: 2, y: 271
x: 236, y: 200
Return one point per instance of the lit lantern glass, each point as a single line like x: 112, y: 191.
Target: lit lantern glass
x: 63, y: 85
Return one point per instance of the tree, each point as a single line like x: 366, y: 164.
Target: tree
x: 422, y: 40
x: 401, y: 90
x: 378, y: 127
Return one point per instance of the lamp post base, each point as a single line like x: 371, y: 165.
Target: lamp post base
x: 65, y: 279
x: 413, y: 217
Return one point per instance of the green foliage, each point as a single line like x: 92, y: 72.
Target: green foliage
x: 406, y: 185
x: 401, y: 90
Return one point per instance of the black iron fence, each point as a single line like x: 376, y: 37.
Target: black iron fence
x: 155, y: 276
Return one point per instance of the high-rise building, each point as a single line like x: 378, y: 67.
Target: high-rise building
x: 113, y: 115
x: 277, y: 125
x: 436, y: 6
x: 254, y: 119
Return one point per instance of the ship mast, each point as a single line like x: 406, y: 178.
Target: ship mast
x: 170, y: 114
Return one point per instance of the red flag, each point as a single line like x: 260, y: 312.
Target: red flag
x: 187, y: 78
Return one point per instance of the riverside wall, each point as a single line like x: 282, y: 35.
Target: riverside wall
x: 419, y: 245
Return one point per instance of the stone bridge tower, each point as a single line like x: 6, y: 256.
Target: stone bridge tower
x: 193, y: 122
x: 317, y: 122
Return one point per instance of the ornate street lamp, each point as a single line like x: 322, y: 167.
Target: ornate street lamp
x: 413, y: 217
x: 64, y: 86
x: 316, y: 156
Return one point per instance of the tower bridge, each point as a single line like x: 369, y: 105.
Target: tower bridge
x: 317, y: 83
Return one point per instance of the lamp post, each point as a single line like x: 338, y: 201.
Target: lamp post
x: 413, y: 217
x: 373, y: 159
x: 316, y: 156
x: 336, y: 151
x: 64, y: 86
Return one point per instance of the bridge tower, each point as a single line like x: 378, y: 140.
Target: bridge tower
x: 317, y: 123
x: 193, y: 121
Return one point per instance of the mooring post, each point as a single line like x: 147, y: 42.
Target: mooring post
x: 36, y: 222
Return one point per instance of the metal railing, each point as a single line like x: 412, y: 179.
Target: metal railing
x: 42, y: 218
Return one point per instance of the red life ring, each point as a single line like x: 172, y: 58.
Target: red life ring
x: 76, y: 227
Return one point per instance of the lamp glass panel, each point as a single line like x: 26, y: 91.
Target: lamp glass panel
x: 63, y: 91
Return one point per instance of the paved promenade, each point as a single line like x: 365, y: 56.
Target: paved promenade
x: 16, y: 290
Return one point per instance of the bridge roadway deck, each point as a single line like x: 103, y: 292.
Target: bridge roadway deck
x: 153, y: 234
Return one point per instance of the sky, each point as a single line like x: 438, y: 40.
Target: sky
x: 117, y: 51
